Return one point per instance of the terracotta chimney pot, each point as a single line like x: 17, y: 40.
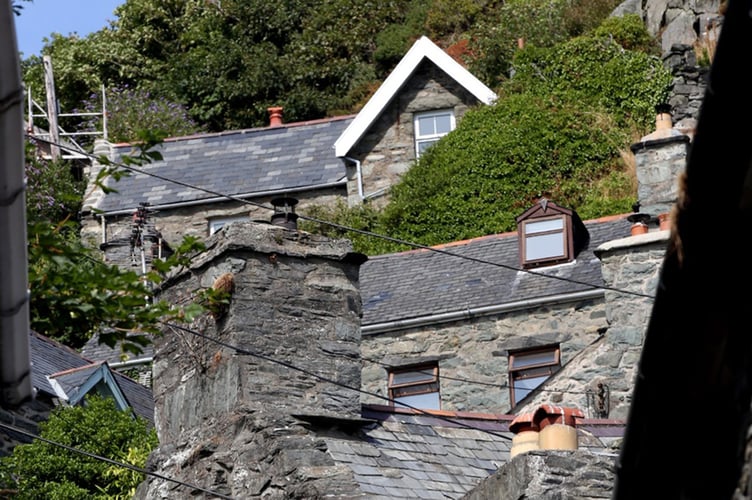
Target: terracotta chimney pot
x: 275, y: 116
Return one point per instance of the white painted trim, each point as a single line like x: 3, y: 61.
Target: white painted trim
x: 423, y: 48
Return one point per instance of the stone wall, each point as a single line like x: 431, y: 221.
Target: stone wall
x: 230, y: 411
x: 630, y: 265
x: 388, y: 149
x: 176, y: 223
x: 550, y: 474
x: 477, y: 351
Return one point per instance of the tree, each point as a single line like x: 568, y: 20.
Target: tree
x: 74, y: 294
x: 42, y: 469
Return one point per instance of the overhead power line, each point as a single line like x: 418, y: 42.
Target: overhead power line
x: 367, y: 233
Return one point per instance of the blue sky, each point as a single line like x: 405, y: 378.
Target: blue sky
x: 40, y: 18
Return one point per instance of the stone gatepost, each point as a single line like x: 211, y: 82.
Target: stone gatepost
x: 241, y: 391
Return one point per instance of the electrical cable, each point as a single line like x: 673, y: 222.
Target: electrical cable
x: 361, y: 231
x: 326, y: 379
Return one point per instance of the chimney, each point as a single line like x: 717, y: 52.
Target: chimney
x: 284, y: 212
x: 660, y: 158
x: 275, y: 116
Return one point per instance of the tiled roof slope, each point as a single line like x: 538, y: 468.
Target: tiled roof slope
x: 243, y: 163
x: 407, y: 454
x: 49, y: 357
x: 95, y: 350
x: 421, y: 283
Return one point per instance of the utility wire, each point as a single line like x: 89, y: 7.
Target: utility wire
x: 113, y: 462
x: 326, y: 379
x: 359, y: 231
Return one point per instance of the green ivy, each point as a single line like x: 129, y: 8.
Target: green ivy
x: 42, y: 469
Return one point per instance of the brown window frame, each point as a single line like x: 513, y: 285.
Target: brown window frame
x: 545, y: 212
x: 534, y: 370
x: 428, y: 385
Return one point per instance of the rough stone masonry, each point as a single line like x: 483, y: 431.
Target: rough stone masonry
x: 237, y: 391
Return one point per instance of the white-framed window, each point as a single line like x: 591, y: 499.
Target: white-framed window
x: 430, y: 127
x: 216, y: 224
x: 415, y: 387
x: 530, y: 368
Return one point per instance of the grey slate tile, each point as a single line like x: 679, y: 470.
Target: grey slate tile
x: 234, y: 163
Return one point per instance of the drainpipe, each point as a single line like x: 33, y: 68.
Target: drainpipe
x: 15, y: 363
x: 359, y: 176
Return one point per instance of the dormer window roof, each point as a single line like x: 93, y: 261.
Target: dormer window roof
x: 550, y: 234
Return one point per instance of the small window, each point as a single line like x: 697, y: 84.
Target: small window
x: 550, y: 234
x: 530, y: 368
x: 217, y: 224
x: 430, y: 127
x: 545, y: 239
x: 415, y: 387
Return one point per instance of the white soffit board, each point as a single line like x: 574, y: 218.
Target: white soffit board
x: 423, y: 48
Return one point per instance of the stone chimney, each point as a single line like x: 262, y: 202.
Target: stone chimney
x: 660, y: 158
x: 275, y: 116
x: 240, y: 392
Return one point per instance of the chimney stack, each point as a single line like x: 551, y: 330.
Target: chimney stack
x: 275, y: 116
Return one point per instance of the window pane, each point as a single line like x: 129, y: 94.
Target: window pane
x: 426, y: 125
x: 544, y: 246
x: 423, y: 145
x: 443, y: 123
x: 525, y: 386
x: 399, y: 378
x: 533, y: 358
x: 544, y: 225
x: 423, y: 401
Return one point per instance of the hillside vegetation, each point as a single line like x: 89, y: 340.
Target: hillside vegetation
x: 582, y: 89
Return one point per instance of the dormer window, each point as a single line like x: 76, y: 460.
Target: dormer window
x: 550, y: 234
x: 430, y: 127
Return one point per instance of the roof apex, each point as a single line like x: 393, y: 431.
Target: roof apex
x: 423, y: 48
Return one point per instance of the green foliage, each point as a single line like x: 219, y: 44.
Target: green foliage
x: 336, y: 222
x: 597, y: 72
x: 502, y: 158
x: 52, y: 191
x: 630, y: 33
x: 73, y: 293
x: 45, y: 470
x: 131, y: 111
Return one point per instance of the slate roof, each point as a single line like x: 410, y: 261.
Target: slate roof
x: 95, y: 350
x: 408, y: 454
x: 244, y: 163
x: 49, y: 357
x: 423, y: 283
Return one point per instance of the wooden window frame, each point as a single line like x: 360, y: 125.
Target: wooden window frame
x: 541, y: 213
x: 428, y: 385
x: 533, y: 370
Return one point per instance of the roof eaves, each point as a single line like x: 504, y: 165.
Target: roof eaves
x: 423, y: 48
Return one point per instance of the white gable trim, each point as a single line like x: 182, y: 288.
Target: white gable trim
x: 423, y: 48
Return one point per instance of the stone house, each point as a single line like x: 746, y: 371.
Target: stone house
x: 265, y: 399
x: 205, y: 181
x: 432, y: 373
